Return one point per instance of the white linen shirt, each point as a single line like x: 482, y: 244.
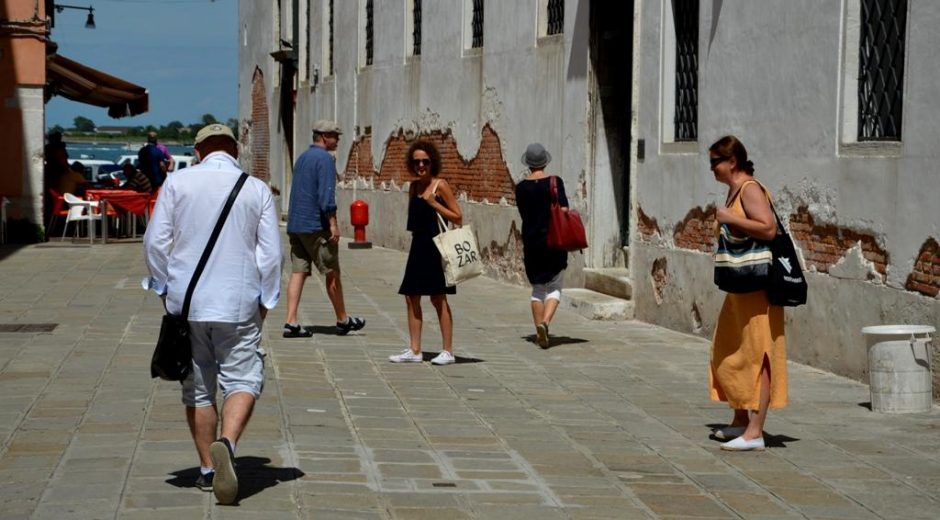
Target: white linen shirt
x: 244, y: 269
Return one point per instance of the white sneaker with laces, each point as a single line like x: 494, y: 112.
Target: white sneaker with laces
x: 406, y: 356
x: 444, y: 358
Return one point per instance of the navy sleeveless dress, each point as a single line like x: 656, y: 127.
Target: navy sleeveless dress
x: 423, y: 273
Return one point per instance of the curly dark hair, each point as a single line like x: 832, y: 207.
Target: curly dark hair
x: 428, y: 148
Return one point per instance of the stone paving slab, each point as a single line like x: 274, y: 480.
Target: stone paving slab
x: 612, y: 421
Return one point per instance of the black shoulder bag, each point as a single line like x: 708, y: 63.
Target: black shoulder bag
x: 173, y: 358
x: 787, y: 285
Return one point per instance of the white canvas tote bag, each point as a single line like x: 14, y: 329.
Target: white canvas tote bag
x: 460, y: 256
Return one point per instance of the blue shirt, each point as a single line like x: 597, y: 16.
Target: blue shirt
x: 312, y: 192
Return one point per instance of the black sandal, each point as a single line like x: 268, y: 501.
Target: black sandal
x: 352, y: 323
x: 296, y: 331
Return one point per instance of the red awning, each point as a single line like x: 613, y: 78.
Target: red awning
x: 84, y: 84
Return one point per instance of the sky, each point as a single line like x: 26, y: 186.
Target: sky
x: 184, y: 52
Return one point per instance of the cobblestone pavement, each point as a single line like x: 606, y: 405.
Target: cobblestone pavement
x: 613, y: 421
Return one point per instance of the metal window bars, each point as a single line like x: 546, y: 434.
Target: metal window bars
x: 416, y: 32
x: 477, y: 23
x: 556, y: 17
x: 881, y: 69
x: 685, y: 18
x: 370, y: 40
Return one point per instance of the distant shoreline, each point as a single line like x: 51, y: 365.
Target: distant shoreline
x: 127, y: 140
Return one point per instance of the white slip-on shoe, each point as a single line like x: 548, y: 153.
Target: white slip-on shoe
x: 406, y: 356
x: 728, y: 432
x: 444, y: 358
x: 742, y: 444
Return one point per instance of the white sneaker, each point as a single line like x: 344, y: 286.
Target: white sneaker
x: 444, y: 358
x: 406, y: 356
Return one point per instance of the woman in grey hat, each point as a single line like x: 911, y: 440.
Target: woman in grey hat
x: 544, y: 267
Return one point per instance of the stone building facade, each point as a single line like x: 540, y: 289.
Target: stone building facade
x: 833, y: 98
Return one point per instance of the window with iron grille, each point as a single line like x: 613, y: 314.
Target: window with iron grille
x: 416, y: 32
x: 685, y: 19
x: 330, y: 43
x: 556, y: 17
x: 370, y: 42
x: 881, y: 69
x: 476, y: 24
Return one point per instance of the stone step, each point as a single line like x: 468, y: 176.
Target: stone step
x: 613, y: 281
x: 596, y: 306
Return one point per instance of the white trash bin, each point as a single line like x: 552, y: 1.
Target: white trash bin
x: 899, y: 368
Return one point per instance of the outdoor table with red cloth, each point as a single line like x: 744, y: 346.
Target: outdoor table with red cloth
x: 129, y: 201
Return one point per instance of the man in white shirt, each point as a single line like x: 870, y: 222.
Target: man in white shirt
x: 241, y: 282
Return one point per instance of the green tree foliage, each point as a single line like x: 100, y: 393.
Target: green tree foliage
x: 209, y: 119
x: 233, y: 124
x: 83, y: 124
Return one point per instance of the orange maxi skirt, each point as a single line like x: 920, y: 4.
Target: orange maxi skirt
x: 749, y: 331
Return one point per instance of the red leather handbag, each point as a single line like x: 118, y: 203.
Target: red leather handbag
x: 565, y: 229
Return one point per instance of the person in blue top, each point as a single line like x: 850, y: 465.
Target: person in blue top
x: 154, y: 161
x: 313, y: 230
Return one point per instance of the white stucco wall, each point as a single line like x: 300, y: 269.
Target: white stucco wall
x: 772, y: 74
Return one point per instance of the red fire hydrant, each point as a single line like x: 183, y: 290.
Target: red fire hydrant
x: 359, y: 216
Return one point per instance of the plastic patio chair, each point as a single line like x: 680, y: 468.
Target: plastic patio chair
x: 80, y: 210
x: 59, y: 209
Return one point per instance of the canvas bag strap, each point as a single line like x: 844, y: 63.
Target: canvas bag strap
x: 441, y: 223
x: 212, y: 240
x: 780, y: 229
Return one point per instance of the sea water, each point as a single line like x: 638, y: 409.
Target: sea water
x: 112, y: 151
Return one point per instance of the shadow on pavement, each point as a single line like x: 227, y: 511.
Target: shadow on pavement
x: 866, y: 405
x: 254, y: 476
x: 770, y: 441
x: 554, y: 341
x: 428, y: 356
x: 8, y: 249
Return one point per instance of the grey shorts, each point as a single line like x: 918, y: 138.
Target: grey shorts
x: 313, y: 248
x: 550, y: 290
x: 227, y: 356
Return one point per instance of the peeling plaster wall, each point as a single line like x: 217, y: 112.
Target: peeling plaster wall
x: 517, y: 89
x: 771, y: 73
x: 256, y: 41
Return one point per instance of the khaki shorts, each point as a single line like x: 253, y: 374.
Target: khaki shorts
x: 313, y: 248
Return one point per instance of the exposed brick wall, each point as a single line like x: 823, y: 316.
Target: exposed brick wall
x: 646, y: 226
x: 925, y: 278
x: 697, y: 230
x: 824, y: 245
x: 658, y: 279
x: 484, y: 177
x: 261, y: 137
x: 360, y: 163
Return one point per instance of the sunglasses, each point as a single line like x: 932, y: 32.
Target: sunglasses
x: 715, y: 161
x: 421, y: 162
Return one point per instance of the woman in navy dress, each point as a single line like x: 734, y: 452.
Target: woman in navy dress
x: 428, y: 197
x: 544, y: 267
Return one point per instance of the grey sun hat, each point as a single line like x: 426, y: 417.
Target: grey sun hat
x: 536, y: 156
x: 326, y: 126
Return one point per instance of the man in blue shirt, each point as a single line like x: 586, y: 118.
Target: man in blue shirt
x: 313, y: 231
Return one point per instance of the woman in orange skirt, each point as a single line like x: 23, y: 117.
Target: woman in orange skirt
x: 749, y: 364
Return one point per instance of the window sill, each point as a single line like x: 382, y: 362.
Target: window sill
x: 870, y: 149
x: 551, y: 39
x: 679, y: 148
x: 473, y: 52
